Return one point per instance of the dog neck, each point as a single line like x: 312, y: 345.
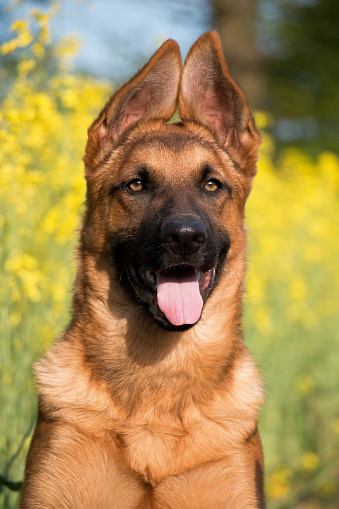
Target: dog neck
x: 133, y: 346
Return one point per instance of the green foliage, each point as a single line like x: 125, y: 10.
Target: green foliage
x: 291, y: 319
x: 305, y: 72
x: 302, y: 70
x: 292, y: 323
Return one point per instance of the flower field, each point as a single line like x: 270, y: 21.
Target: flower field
x: 292, y: 323
x: 291, y: 318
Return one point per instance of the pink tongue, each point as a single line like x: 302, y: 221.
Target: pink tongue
x: 179, y: 296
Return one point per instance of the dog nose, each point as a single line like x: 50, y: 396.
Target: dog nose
x: 185, y: 236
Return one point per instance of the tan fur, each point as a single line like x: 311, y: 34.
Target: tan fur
x: 132, y: 416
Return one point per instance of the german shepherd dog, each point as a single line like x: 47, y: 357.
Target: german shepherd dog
x: 149, y: 400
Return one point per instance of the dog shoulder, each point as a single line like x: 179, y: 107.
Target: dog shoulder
x: 68, y: 389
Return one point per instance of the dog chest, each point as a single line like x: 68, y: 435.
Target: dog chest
x: 157, y: 451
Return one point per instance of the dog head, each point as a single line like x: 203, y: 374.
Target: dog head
x: 165, y: 202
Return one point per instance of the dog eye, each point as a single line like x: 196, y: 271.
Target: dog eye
x: 135, y: 185
x: 212, y: 185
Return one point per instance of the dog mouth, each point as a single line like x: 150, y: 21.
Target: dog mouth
x: 174, y: 296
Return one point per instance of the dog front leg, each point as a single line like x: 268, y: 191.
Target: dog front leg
x: 235, y: 481
x: 66, y: 469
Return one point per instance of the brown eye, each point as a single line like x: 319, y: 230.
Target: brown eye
x: 212, y: 185
x: 135, y: 185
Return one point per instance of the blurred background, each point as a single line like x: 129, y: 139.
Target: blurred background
x: 59, y: 62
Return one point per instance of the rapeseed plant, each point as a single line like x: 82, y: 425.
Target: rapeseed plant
x: 291, y: 318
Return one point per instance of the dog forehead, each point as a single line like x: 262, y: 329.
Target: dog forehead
x: 174, y: 150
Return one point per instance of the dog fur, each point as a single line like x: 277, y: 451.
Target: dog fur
x: 135, y: 411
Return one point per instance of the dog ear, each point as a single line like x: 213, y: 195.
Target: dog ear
x: 210, y: 96
x: 151, y: 94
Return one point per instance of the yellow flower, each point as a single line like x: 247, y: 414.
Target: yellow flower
x: 25, y: 66
x: 19, y: 262
x: 263, y: 119
x: 68, y: 46
x: 30, y: 282
x: 297, y: 289
x: 45, y: 35
x: 9, y: 47
x: 20, y: 25
x: 23, y: 39
x: 66, y: 50
x: 329, y: 165
x: 38, y: 50
x: 309, y: 461
x: 263, y: 319
x: 59, y: 291
x: 42, y: 17
x: 255, y: 287
x: 279, y: 483
x: 25, y: 267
